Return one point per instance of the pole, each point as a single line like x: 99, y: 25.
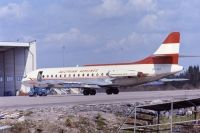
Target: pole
x: 135, y: 120
x: 195, y: 113
x: 158, y: 122
x: 63, y: 48
x: 171, y: 117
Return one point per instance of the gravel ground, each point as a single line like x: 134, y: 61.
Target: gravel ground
x: 100, y: 118
x: 74, y: 114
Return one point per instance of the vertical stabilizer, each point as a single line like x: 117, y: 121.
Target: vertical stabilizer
x: 170, y: 45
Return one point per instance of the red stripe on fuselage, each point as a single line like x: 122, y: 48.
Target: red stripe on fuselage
x: 160, y: 59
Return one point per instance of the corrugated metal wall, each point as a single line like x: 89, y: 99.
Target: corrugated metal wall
x: 12, y: 67
x: 2, y: 74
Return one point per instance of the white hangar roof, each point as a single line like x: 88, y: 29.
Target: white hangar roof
x: 8, y: 45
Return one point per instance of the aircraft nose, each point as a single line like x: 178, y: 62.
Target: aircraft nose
x: 24, y: 79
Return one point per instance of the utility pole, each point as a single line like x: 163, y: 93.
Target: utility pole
x: 63, y: 49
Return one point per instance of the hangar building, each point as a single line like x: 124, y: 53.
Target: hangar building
x: 16, y: 60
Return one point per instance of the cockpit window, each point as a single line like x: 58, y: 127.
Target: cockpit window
x: 25, y: 76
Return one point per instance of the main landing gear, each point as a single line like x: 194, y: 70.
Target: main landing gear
x: 110, y: 91
x: 89, y: 91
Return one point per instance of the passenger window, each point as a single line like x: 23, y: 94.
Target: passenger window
x: 101, y: 74
x: 92, y: 74
x: 43, y: 76
x: 47, y: 76
x: 65, y: 75
x: 69, y: 75
x: 74, y: 75
x: 88, y: 74
x: 97, y: 74
x: 83, y: 75
x: 78, y: 75
x: 56, y: 75
x: 60, y: 75
x: 52, y: 76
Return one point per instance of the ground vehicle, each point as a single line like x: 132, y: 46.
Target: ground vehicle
x: 38, y: 91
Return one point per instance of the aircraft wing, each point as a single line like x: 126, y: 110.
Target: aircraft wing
x: 67, y: 84
x: 96, y: 83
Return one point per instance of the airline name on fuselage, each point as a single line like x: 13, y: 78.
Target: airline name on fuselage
x: 76, y: 71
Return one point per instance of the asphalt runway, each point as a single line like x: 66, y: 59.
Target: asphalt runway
x: 101, y: 98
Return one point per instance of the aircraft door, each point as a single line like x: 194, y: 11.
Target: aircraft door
x: 39, y: 76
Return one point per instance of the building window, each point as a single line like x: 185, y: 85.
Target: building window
x: 9, y: 78
x: 1, y: 79
x: 18, y: 78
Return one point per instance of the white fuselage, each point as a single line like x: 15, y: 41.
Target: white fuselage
x: 100, y: 74
x: 163, y: 62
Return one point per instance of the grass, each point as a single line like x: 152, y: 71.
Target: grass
x: 77, y: 123
x: 28, y: 113
x: 68, y: 123
x: 100, y: 122
x: 22, y: 127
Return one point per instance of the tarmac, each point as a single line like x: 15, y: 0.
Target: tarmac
x: 100, y: 98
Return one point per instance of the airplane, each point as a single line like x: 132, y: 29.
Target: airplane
x: 162, y: 63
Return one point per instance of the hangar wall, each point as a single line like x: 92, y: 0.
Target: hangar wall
x: 16, y: 60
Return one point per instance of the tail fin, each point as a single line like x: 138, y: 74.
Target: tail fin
x: 169, y: 49
x: 170, y: 45
x: 167, y: 53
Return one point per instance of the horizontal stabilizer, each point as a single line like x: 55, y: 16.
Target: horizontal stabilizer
x: 163, y: 81
x: 153, y: 83
x: 185, y: 56
x: 173, y: 80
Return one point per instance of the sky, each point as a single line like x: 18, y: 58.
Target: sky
x: 77, y: 32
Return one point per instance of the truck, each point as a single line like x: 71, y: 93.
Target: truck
x: 38, y: 91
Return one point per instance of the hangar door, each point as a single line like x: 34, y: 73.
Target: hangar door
x: 16, y: 59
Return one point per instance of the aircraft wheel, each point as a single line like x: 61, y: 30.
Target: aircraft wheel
x: 40, y: 94
x: 92, y: 92
x: 109, y: 91
x: 32, y: 92
x: 86, y: 92
x: 44, y: 94
x: 115, y: 90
